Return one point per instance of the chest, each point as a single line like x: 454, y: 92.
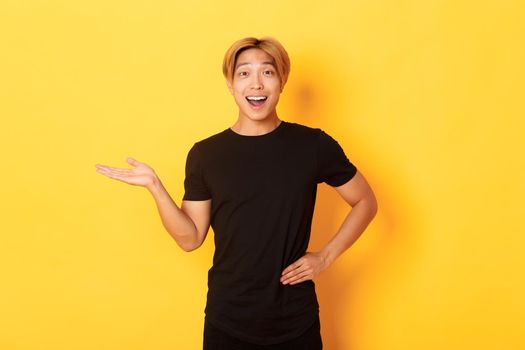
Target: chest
x: 277, y: 171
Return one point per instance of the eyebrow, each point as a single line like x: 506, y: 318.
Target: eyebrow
x: 245, y: 63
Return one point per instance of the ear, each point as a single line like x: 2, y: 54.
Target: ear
x: 230, y: 87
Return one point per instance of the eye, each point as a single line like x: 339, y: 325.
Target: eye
x: 269, y: 72
x: 242, y: 73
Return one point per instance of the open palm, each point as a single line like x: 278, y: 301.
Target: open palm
x: 140, y: 175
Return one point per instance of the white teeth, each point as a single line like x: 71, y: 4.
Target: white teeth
x: 256, y: 98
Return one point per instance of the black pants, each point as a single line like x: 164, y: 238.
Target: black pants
x: 216, y: 339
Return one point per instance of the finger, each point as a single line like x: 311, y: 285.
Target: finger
x: 293, y: 273
x: 102, y: 170
x: 292, y: 266
x: 100, y: 166
x: 122, y: 178
x: 111, y: 174
x: 296, y: 278
x: 133, y: 161
x: 117, y: 171
x: 302, y: 279
x: 114, y: 174
x: 121, y: 171
x: 104, y: 167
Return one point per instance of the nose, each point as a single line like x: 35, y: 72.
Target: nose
x: 256, y: 82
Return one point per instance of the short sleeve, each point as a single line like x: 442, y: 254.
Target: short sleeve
x: 333, y: 166
x: 195, y: 188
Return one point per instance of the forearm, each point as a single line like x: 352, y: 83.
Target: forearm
x: 352, y: 227
x: 179, y: 225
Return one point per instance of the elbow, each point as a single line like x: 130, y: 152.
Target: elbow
x: 187, y: 241
x: 189, y: 247
x: 373, y: 206
x: 370, y: 203
x: 374, y: 211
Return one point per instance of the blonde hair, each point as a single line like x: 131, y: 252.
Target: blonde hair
x: 269, y: 45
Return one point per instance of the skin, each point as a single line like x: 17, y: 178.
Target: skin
x: 254, y: 74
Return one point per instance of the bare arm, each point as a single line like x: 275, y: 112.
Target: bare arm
x: 187, y: 225
x: 358, y: 194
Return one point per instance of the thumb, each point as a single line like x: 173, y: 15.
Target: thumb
x: 132, y: 161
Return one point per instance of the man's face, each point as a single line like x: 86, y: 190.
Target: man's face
x: 255, y: 77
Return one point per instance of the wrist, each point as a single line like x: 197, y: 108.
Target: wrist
x: 327, y: 257
x: 155, y: 185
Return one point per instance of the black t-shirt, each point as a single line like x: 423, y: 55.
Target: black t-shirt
x: 263, y: 191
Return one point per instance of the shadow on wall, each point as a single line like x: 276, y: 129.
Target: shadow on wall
x: 340, y: 287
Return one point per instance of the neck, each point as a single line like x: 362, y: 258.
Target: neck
x: 250, y: 127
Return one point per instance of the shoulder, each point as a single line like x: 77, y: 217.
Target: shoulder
x: 324, y: 142
x: 303, y: 128
x: 305, y: 131
x: 320, y: 134
x: 210, y: 142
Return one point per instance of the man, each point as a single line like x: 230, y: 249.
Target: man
x: 255, y: 184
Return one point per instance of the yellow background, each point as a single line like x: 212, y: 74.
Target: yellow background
x: 426, y: 98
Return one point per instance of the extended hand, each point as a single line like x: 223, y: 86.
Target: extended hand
x: 305, y: 268
x: 141, y: 175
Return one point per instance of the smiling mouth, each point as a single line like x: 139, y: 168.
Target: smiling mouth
x: 256, y: 101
